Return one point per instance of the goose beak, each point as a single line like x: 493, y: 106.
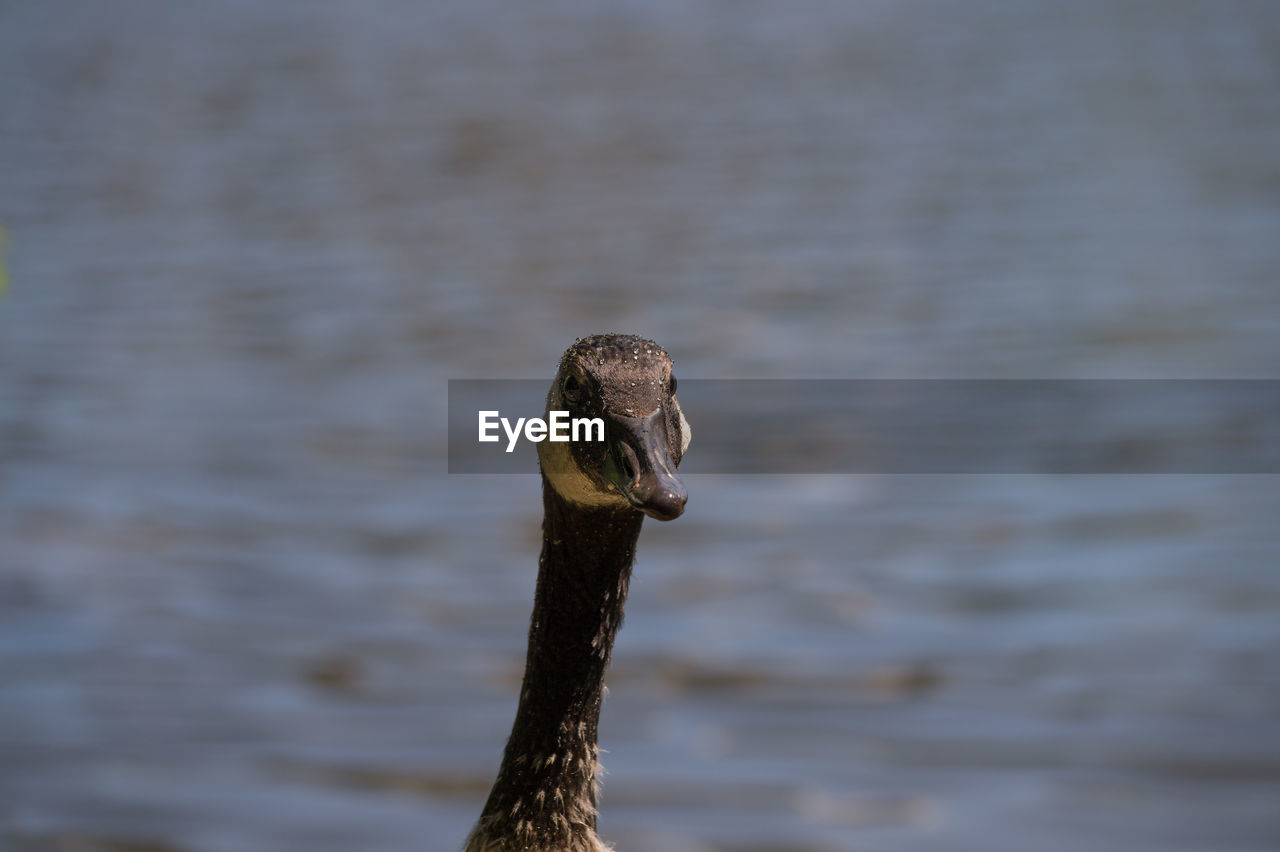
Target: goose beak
x: 640, y: 466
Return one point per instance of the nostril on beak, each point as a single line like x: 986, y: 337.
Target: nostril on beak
x: 630, y: 463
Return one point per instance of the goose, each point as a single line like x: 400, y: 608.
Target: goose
x: 595, y: 494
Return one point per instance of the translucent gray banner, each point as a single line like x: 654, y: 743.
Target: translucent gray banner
x: 926, y: 425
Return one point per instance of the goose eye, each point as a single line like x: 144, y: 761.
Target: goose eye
x: 671, y: 386
x: 572, y: 391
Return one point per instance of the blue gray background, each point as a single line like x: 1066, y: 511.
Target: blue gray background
x: 242, y: 606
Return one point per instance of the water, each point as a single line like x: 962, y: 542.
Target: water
x: 244, y: 608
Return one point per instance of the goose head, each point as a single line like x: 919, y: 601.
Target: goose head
x: 625, y: 381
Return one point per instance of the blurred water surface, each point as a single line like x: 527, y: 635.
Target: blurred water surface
x: 242, y: 607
